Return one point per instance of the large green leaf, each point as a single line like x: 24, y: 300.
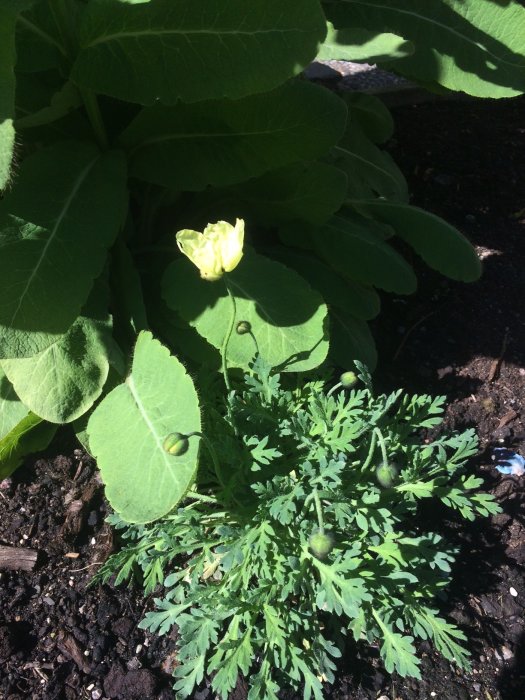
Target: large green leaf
x: 372, y: 115
x: 56, y: 225
x: 309, y: 192
x: 344, y: 294
x: 222, y: 142
x: 368, y: 168
x: 7, y: 91
x: 127, y: 431
x: 126, y: 285
x: 30, y: 435
x: 358, y: 44
x: 61, y: 103
x: 351, y: 339
x: 476, y: 46
x: 440, y: 245
x: 353, y: 247
x: 12, y: 410
x: 286, y: 315
x: 167, y: 50
x: 39, y: 45
x: 63, y: 381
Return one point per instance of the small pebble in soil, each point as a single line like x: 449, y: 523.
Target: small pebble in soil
x: 506, y: 653
x: 513, y: 592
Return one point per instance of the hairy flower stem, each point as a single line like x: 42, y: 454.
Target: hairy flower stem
x: 319, y: 511
x: 194, y: 495
x: 376, y: 435
x: 227, y: 337
x: 334, y: 389
x: 382, y: 444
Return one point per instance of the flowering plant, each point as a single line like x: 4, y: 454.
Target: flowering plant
x: 215, y: 251
x: 295, y: 541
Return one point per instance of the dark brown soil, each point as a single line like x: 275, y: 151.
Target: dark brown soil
x: 59, y: 639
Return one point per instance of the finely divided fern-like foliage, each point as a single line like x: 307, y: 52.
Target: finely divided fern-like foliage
x: 239, y: 571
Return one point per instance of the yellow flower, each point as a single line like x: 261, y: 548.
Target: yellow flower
x: 215, y: 251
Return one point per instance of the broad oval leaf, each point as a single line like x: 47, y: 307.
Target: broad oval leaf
x: 351, y: 245
x: 12, y: 410
x: 128, y: 428
x: 310, y: 192
x: 56, y: 225
x: 167, y: 50
x: 30, y: 435
x: 368, y: 168
x: 287, y: 316
x: 440, y: 245
x: 39, y: 45
x: 358, y: 44
x: 471, y: 45
x: 350, y: 297
x: 189, y: 147
x: 372, y: 115
x: 63, y: 381
x: 351, y: 339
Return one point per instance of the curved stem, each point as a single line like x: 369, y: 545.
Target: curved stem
x: 257, y: 353
x: 201, y: 497
x: 381, y: 444
x: 376, y: 435
x: 319, y: 511
x: 334, y: 389
x: 371, y: 451
x: 227, y: 337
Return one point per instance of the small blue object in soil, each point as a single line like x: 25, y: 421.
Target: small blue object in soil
x: 509, y: 462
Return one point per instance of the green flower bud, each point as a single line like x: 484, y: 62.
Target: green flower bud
x: 321, y: 544
x: 386, y: 474
x: 244, y: 327
x: 348, y: 379
x: 176, y: 444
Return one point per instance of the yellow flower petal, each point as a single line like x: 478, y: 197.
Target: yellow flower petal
x: 215, y: 251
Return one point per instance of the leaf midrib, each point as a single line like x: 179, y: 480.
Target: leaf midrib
x: 118, y: 36
x: 146, y: 419
x: 76, y: 186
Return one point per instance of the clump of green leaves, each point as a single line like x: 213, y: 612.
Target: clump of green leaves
x: 123, y: 122
x: 294, y: 540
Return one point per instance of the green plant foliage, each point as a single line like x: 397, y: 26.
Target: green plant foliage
x: 358, y: 251
x: 63, y: 381
x: 471, y: 45
x: 48, y: 224
x: 441, y: 246
x: 293, y: 335
x: 370, y: 170
x: 291, y: 543
x: 226, y: 141
x: 358, y: 44
x: 137, y: 120
x: 12, y: 410
x: 30, y: 435
x: 169, y: 51
x: 128, y: 428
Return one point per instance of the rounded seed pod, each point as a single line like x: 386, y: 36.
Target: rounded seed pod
x: 176, y: 444
x: 321, y: 544
x: 244, y: 327
x: 386, y: 475
x: 348, y: 379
